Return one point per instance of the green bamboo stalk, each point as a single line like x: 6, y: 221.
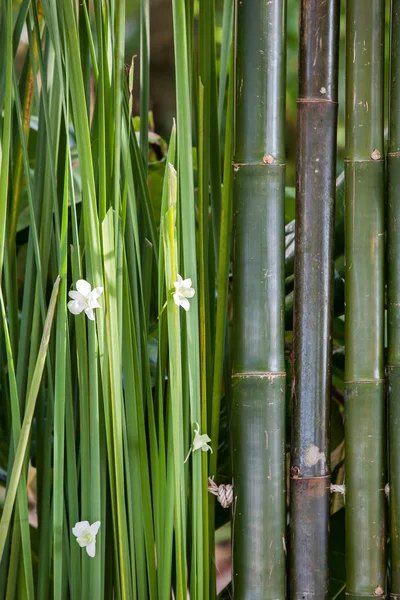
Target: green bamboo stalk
x: 258, y: 419
x: 393, y: 291
x: 364, y: 333
x: 313, y: 297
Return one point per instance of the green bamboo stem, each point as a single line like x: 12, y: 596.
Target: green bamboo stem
x: 393, y: 290
x: 313, y: 298
x: 258, y: 419
x: 364, y: 333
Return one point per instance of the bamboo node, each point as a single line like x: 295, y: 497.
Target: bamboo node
x: 295, y: 472
x: 375, y: 155
x: 223, y: 492
x: 268, y: 159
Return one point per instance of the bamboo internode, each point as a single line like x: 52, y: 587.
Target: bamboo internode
x: 364, y: 334
x: 258, y: 412
x: 393, y: 291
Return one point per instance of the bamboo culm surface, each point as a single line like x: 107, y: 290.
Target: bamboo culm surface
x: 258, y: 412
x: 393, y: 290
x: 313, y: 298
x: 364, y: 333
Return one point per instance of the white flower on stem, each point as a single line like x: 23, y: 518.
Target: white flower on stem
x: 183, y: 291
x: 200, y: 442
x: 84, y: 298
x: 86, y: 535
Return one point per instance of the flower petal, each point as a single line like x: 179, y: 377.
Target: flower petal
x: 185, y: 303
x: 83, y: 287
x: 177, y: 299
x: 206, y: 447
x: 91, y: 549
x: 180, y: 280
x: 93, y: 303
x: 76, y: 296
x: 189, y: 293
x: 187, y: 283
x: 95, y: 526
x: 97, y: 292
x: 196, y: 444
x: 75, y: 307
x: 81, y: 528
x: 89, y: 313
x: 82, y: 541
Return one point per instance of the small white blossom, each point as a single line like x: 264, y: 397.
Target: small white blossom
x: 200, y: 442
x: 84, y: 298
x: 86, y: 535
x: 183, y: 291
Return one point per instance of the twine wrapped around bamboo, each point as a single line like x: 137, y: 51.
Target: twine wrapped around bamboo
x: 224, y: 492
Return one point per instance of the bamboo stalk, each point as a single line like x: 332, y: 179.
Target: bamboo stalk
x: 393, y: 290
x: 313, y: 297
x: 364, y: 333
x: 258, y: 411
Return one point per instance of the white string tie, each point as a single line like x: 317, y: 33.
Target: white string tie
x: 223, y: 492
x: 340, y: 489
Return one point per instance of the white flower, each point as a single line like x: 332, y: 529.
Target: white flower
x: 200, y: 442
x: 84, y: 299
x: 183, y: 291
x: 86, y: 535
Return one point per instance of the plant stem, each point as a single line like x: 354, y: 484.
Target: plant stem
x: 313, y: 297
x: 364, y: 326
x: 393, y: 290
x: 258, y: 420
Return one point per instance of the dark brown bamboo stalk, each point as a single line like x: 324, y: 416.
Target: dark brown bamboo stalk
x: 315, y: 202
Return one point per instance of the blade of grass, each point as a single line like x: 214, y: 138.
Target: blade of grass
x: 27, y: 421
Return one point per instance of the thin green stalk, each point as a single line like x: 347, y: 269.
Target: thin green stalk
x: 21, y: 524
x: 222, y: 294
x: 313, y: 297
x: 27, y: 421
x: 175, y: 390
x: 364, y: 325
x: 204, y: 335
x: 144, y: 80
x: 189, y: 269
x: 5, y: 152
x: 59, y: 406
x: 116, y: 400
x: 227, y: 34
x: 258, y: 380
